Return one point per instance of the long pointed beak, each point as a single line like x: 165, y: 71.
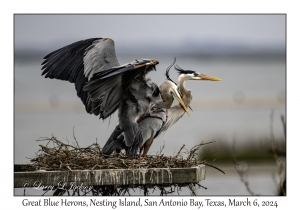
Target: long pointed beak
x: 177, y: 96
x: 205, y: 77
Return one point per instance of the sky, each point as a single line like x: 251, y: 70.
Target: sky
x: 151, y: 32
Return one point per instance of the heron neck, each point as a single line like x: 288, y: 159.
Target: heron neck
x: 183, y: 90
x: 181, y: 80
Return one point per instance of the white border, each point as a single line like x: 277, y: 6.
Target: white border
x: 154, y: 6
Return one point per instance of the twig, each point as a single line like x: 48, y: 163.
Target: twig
x: 196, y: 148
x: 62, y: 156
x: 161, y: 149
x: 241, y: 171
x: 75, y: 137
x: 192, y: 189
x: 179, y: 151
x: 208, y: 154
x: 272, y: 138
x: 207, y: 164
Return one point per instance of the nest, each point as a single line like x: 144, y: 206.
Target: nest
x: 56, y: 155
x: 62, y: 156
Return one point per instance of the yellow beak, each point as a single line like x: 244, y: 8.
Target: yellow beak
x: 205, y: 77
x: 177, y: 96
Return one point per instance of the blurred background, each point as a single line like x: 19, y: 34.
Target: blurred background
x: 242, y: 113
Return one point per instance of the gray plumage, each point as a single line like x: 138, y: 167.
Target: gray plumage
x: 161, y: 117
x: 103, y: 84
x: 150, y: 124
x: 99, y: 56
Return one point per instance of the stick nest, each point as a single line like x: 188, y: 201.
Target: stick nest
x: 59, y: 156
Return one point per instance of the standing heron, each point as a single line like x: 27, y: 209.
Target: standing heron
x: 176, y: 112
x: 161, y: 118
x: 168, y: 91
x: 103, y: 85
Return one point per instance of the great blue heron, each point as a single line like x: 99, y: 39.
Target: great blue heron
x: 176, y: 112
x: 162, y: 118
x: 168, y: 90
x: 104, y: 85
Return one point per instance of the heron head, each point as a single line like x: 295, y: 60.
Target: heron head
x: 173, y: 89
x: 193, y: 75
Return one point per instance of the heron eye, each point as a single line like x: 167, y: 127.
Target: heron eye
x: 196, y: 74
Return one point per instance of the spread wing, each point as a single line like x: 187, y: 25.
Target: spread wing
x: 77, y: 63
x: 93, y: 62
x: 111, y: 86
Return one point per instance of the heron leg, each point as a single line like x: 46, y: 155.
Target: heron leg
x: 147, y: 146
x: 141, y: 150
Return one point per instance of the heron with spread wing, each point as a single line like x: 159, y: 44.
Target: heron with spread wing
x: 168, y: 91
x: 160, y: 119
x: 104, y: 86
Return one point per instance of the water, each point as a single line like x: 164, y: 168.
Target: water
x: 238, y: 105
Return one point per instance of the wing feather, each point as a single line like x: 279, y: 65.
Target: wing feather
x: 100, y: 81
x: 174, y: 114
x: 100, y: 57
x: 111, y: 85
x: 66, y: 63
x: 70, y: 63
